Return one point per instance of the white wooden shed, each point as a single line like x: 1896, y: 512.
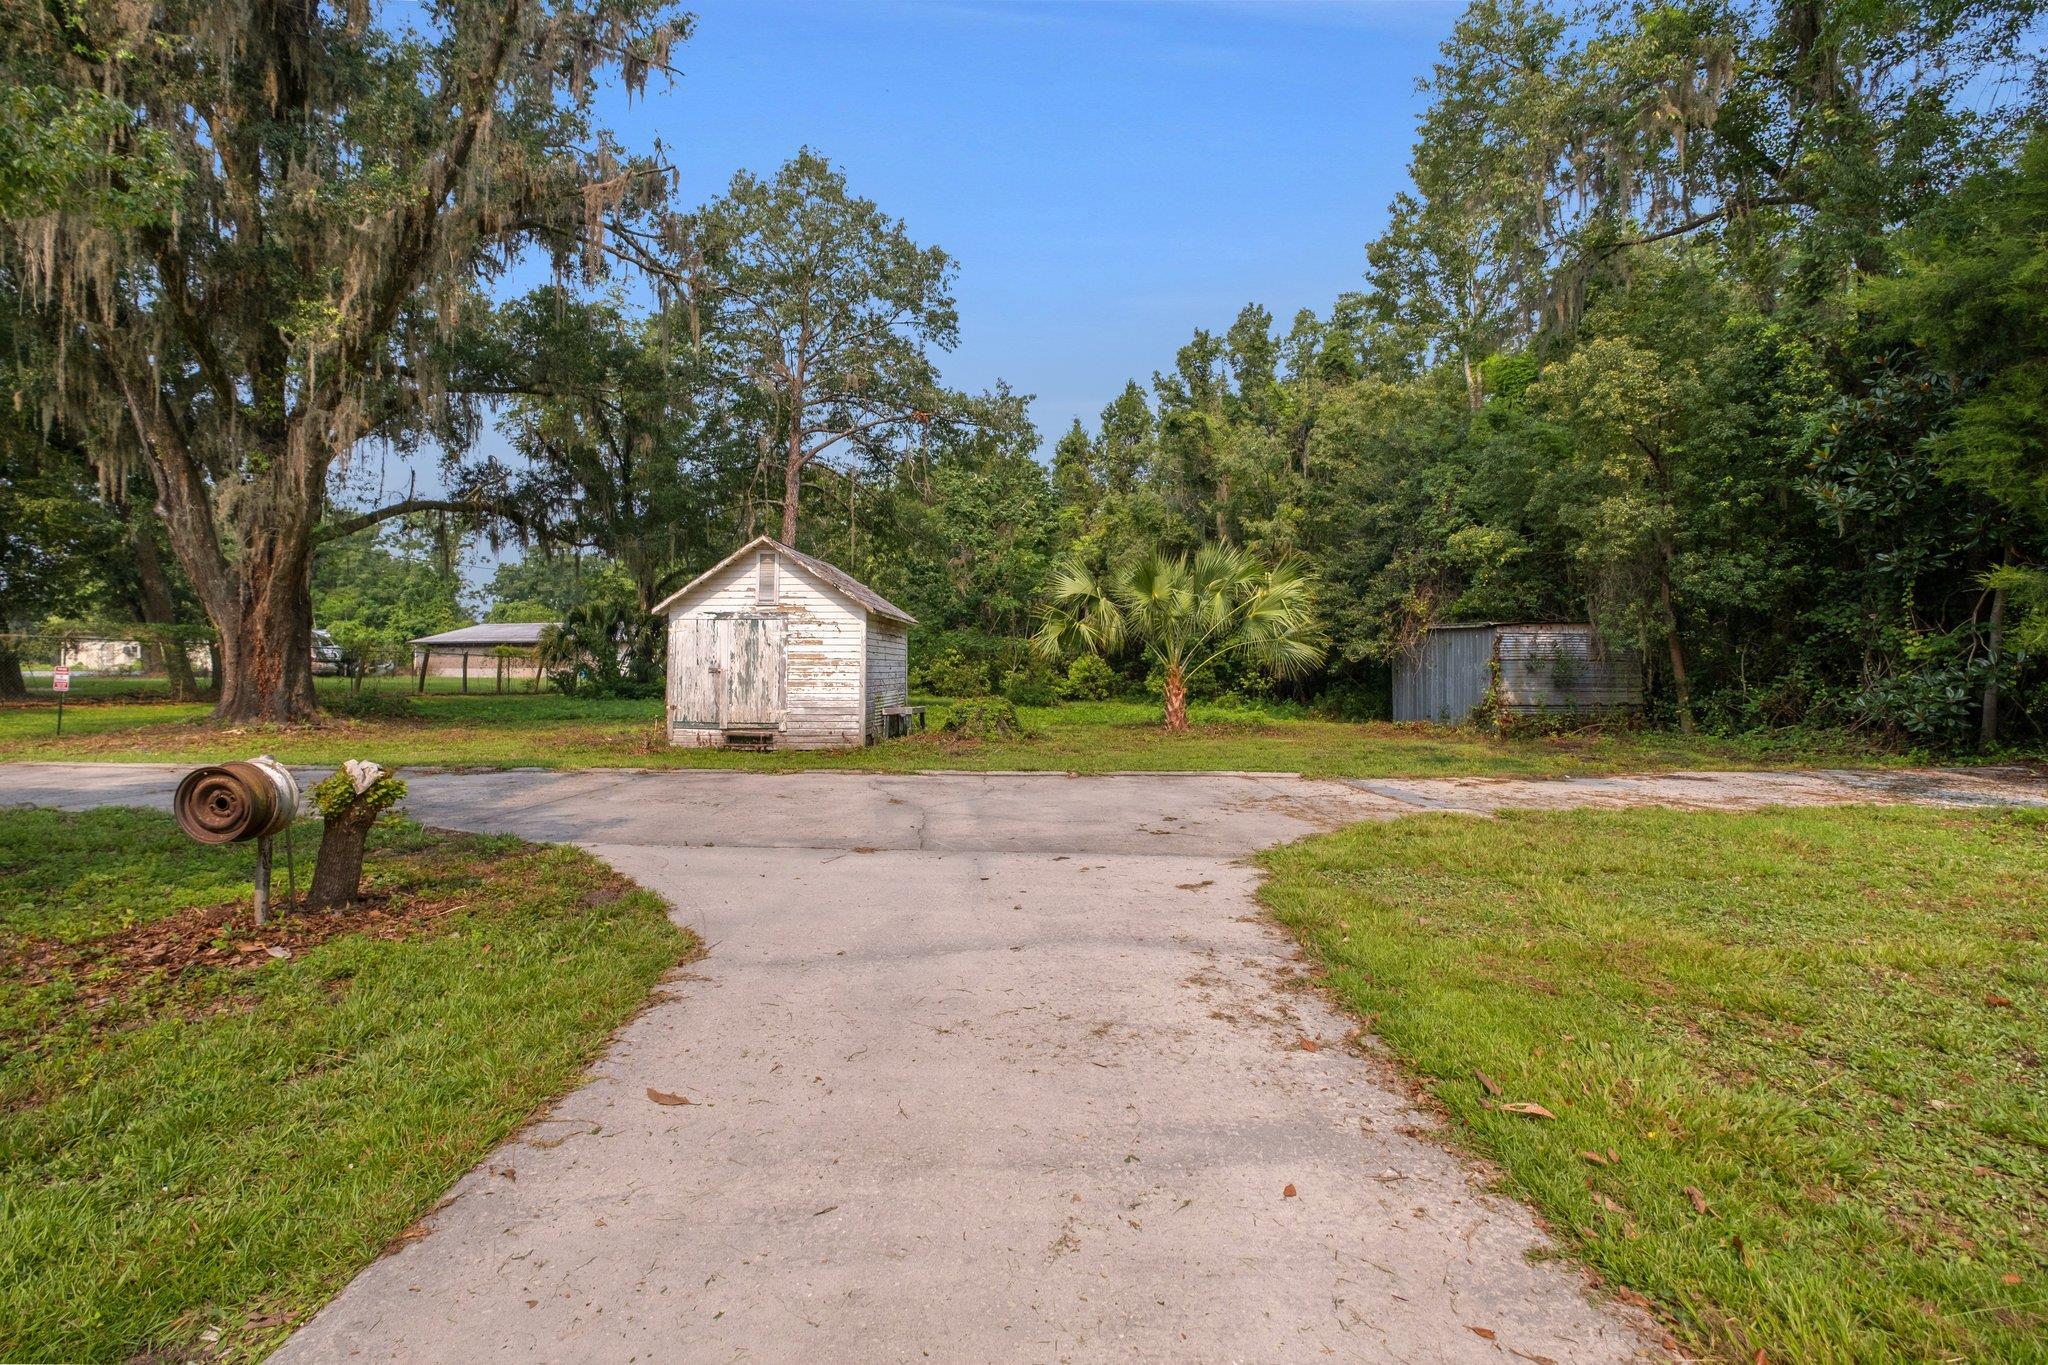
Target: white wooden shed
x: 771, y: 648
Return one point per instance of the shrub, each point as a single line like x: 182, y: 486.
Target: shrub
x: 1089, y: 678
x: 1354, y: 700
x: 950, y: 674
x: 984, y: 718
x: 1931, y: 700
x: 1032, y: 683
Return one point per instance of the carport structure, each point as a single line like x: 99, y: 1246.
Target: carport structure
x: 516, y: 645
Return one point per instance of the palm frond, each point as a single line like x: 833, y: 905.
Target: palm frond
x: 1187, y: 612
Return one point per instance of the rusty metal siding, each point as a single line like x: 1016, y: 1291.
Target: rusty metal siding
x: 1445, y: 675
x: 1542, y: 669
x: 1564, y: 668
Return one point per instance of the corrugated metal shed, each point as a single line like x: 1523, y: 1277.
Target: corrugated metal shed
x: 1542, y: 670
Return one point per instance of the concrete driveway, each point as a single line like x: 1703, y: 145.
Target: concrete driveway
x: 979, y: 1067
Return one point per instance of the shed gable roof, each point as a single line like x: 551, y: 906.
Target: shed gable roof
x: 831, y: 575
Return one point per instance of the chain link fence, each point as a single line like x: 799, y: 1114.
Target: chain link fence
x: 126, y: 662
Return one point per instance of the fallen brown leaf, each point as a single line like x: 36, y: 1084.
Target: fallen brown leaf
x: 663, y: 1097
x: 1596, y: 1158
x: 2010, y: 1277
x: 1308, y: 1045
x: 1486, y: 1082
x: 1486, y: 1332
x: 1534, y: 1111
x: 1997, y: 1001
x: 1699, y: 1201
x: 1287, y: 1193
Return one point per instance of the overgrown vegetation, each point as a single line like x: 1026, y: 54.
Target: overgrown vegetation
x: 983, y: 718
x: 201, y: 1141
x: 1790, y: 1061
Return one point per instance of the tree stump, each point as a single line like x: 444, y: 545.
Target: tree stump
x: 350, y: 802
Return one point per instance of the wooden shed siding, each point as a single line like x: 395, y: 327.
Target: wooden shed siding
x: 888, y: 671
x: 826, y: 638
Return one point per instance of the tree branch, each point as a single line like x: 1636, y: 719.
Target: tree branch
x: 1697, y: 221
x: 348, y: 526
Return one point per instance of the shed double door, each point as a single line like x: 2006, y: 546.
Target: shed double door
x: 728, y: 672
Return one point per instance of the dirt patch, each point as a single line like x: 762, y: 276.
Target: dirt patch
x: 112, y: 968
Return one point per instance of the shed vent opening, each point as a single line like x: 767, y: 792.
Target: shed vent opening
x: 764, y: 592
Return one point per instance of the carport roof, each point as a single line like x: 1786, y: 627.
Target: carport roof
x: 516, y: 635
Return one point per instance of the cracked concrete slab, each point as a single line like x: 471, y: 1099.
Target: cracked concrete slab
x: 980, y: 1066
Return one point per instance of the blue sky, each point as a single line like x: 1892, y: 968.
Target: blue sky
x: 1109, y: 176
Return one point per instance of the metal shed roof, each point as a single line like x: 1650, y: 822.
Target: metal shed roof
x: 518, y: 634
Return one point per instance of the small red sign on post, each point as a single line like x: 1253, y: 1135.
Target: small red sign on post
x: 60, y: 679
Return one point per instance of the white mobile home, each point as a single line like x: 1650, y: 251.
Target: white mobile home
x: 771, y: 648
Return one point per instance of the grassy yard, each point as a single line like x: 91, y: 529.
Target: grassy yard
x: 1795, y: 1058
x: 553, y: 731
x: 202, y: 1139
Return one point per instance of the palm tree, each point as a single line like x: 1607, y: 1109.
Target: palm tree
x: 1185, y: 614
x: 607, y: 647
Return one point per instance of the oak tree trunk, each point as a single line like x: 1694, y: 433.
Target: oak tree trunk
x: 13, y: 687
x: 1176, y: 701
x: 266, y: 645
x: 259, y: 600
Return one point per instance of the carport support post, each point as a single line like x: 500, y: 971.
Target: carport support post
x: 465, y: 672
x: 425, y: 655
x: 501, y: 673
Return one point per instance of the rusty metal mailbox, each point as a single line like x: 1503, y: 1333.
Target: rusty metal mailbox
x: 231, y: 803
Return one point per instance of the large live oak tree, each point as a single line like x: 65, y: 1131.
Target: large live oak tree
x: 334, y: 184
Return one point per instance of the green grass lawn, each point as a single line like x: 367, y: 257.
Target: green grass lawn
x: 1830, y: 1024
x: 550, y: 730
x: 193, y: 1159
